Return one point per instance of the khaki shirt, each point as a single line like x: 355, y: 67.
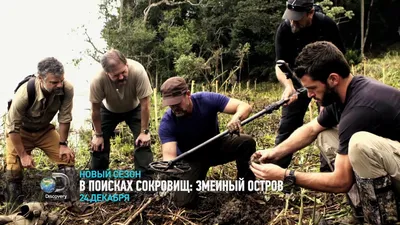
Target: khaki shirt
x: 38, y: 116
x: 126, y: 97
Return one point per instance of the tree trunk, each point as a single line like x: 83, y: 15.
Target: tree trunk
x: 368, y: 21
x: 362, y: 28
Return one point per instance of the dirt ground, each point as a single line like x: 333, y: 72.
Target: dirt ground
x: 213, y: 208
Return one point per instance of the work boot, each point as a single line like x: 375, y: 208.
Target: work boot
x: 14, y: 194
x: 377, y: 200
x: 73, y: 191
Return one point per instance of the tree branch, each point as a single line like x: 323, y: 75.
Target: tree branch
x: 167, y: 2
x: 96, y: 50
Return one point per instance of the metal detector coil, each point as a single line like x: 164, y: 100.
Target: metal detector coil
x: 176, y: 166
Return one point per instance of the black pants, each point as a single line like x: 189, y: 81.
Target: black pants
x: 292, y: 118
x: 109, y: 121
x: 229, y: 148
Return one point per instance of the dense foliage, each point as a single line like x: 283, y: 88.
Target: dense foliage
x: 205, y: 40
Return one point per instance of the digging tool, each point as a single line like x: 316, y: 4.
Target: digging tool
x: 176, y: 166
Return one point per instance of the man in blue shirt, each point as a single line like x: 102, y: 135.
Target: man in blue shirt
x: 192, y: 120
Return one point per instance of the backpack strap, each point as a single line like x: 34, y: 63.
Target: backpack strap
x: 62, y: 96
x: 31, y: 92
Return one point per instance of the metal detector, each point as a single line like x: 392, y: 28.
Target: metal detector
x: 175, y: 166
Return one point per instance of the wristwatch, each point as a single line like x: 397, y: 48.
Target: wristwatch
x: 288, y: 182
x: 146, y: 131
x: 64, y: 143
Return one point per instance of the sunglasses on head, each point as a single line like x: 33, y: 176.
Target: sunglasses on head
x: 299, y: 8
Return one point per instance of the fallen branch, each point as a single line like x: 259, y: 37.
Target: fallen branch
x: 172, y: 216
x: 118, y: 213
x: 131, y: 218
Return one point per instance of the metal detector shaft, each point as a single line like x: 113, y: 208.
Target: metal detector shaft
x: 267, y: 110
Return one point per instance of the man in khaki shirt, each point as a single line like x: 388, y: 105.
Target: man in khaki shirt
x: 120, y: 92
x: 29, y: 128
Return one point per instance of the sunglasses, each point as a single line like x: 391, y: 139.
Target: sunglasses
x: 299, y: 8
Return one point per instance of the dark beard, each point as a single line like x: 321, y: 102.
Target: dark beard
x: 120, y: 81
x: 329, y: 98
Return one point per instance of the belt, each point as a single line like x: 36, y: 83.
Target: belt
x: 33, y: 130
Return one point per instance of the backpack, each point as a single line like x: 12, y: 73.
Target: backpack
x: 318, y: 8
x: 30, y: 89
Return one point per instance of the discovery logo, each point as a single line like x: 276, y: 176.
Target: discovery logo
x: 52, y: 190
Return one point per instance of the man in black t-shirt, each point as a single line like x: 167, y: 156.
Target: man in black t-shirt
x: 302, y: 25
x: 367, y: 114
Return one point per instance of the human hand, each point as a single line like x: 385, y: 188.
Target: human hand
x: 263, y: 156
x: 289, y: 93
x: 143, y: 140
x: 97, y: 143
x: 234, y: 125
x: 267, y: 171
x: 66, y: 152
x: 27, y: 161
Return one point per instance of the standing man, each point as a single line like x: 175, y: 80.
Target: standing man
x: 366, y: 145
x: 28, y: 126
x: 302, y: 25
x: 121, y: 92
x: 192, y: 120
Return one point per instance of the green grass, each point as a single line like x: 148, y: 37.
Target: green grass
x: 263, y: 129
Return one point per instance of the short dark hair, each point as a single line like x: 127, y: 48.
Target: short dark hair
x: 50, y: 65
x: 110, y: 58
x: 319, y: 59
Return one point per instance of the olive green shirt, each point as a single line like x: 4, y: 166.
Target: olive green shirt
x: 40, y: 115
x: 125, y: 98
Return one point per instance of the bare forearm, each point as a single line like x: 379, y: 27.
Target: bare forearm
x: 96, y: 118
x: 145, y: 116
x: 324, y: 182
x: 299, y: 139
x: 17, y: 142
x: 64, y: 130
x: 282, y: 77
x: 243, y: 111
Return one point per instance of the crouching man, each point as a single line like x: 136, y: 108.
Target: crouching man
x: 28, y: 126
x: 365, y: 149
x: 191, y: 120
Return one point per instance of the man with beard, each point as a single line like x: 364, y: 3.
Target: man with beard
x: 366, y: 145
x: 193, y: 119
x: 28, y: 126
x: 302, y: 25
x: 121, y: 92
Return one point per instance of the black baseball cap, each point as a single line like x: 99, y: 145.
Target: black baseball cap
x: 296, y: 9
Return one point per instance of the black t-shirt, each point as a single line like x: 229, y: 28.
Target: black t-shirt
x: 369, y: 106
x: 288, y: 45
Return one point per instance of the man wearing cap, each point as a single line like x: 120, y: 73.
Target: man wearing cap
x: 302, y: 25
x: 120, y: 92
x: 193, y: 119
